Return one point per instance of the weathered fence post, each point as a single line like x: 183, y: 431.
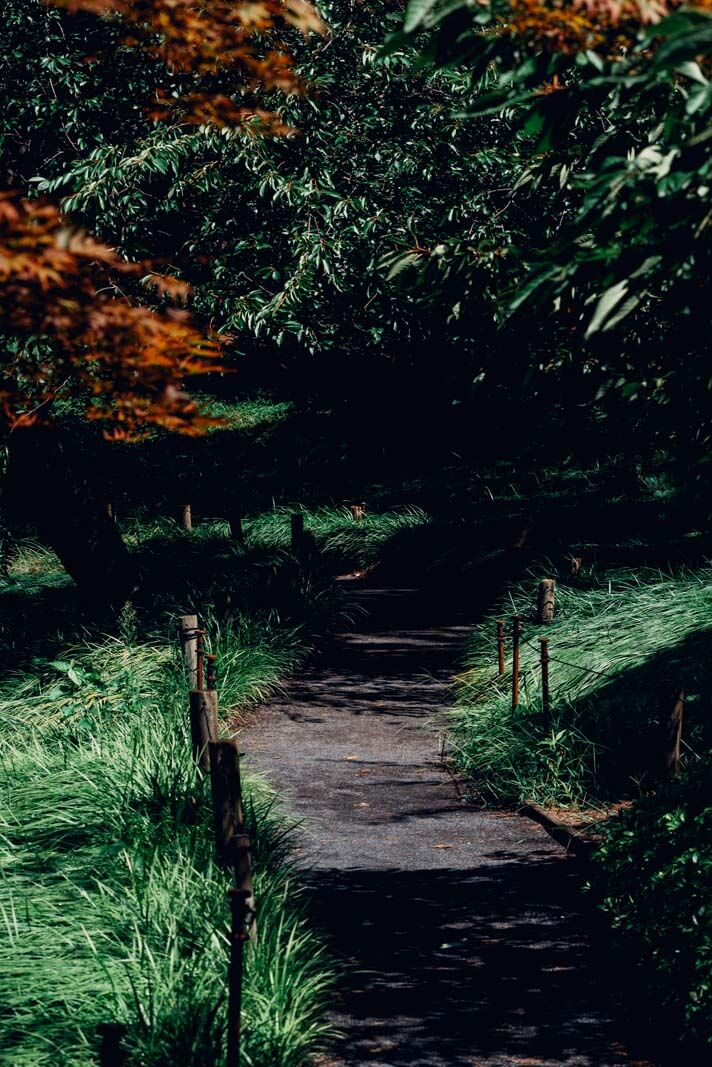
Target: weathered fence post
x: 308, y: 548
x: 297, y: 527
x: 236, y: 530
x: 233, y: 850
x: 186, y: 517
x: 516, y: 635
x: 227, y: 798
x: 545, y: 697
x: 199, y: 658
x: 232, y: 845
x: 203, y: 724
x: 234, y: 978
x: 211, y: 673
x: 500, y: 645
x: 188, y: 635
x: 545, y: 600
x: 111, y: 1053
x: 674, y: 737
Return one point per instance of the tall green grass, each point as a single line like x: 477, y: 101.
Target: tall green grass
x: 339, y: 537
x: 620, y: 643
x: 334, y: 528
x: 111, y: 904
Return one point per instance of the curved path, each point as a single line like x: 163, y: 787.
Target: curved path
x: 459, y: 928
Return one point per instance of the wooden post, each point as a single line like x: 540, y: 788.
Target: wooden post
x: 236, y: 530
x: 111, y: 1054
x: 188, y: 635
x: 307, y: 546
x: 203, y: 724
x: 516, y: 635
x: 545, y: 600
x: 500, y: 645
x: 297, y: 521
x: 199, y: 658
x: 186, y: 517
x: 545, y: 697
x: 211, y: 676
x: 227, y: 798
x: 575, y: 566
x: 357, y: 512
x: 674, y: 737
x: 240, y: 918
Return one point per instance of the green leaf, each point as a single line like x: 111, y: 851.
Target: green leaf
x: 416, y: 12
x: 607, y: 302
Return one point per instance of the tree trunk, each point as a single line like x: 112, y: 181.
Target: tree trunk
x: 51, y: 484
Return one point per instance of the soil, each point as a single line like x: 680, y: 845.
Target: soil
x: 462, y: 932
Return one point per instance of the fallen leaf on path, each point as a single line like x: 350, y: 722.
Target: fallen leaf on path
x: 351, y: 757
x: 443, y: 846
x: 362, y: 804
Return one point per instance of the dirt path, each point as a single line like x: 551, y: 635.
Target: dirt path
x: 460, y: 927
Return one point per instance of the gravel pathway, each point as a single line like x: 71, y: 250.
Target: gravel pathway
x: 460, y: 929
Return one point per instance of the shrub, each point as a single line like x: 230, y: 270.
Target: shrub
x: 655, y: 879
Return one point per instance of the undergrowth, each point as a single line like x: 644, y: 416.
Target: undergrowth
x: 653, y: 875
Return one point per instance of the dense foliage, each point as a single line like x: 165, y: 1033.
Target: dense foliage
x: 609, y: 106
x: 292, y: 244
x: 70, y: 323
x: 655, y: 874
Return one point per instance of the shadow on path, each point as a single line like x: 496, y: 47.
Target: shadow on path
x: 488, y: 965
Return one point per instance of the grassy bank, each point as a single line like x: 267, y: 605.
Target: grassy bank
x: 622, y: 644
x: 112, y: 905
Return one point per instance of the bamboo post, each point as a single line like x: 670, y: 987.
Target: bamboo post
x: 516, y: 635
x: 297, y: 527
x: 203, y: 724
x: 188, y: 635
x: 545, y: 696
x: 545, y: 600
x: 674, y: 737
x: 111, y: 1053
x: 500, y: 646
x: 186, y: 517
